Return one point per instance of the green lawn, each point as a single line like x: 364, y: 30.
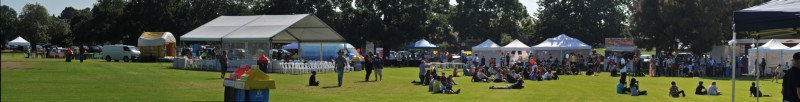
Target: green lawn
x: 95, y: 80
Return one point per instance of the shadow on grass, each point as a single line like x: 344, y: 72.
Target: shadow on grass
x: 328, y: 87
x: 744, y: 78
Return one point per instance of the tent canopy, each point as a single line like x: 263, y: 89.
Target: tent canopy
x: 421, y: 44
x: 155, y: 38
x: 773, y: 46
x: 770, y: 15
x: 19, y: 41
x: 562, y: 42
x: 280, y: 28
x: 516, y: 45
x: 486, y: 45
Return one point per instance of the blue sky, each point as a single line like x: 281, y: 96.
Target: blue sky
x: 54, y: 7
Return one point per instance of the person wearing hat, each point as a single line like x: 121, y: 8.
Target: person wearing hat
x: 340, y: 62
x: 791, y: 81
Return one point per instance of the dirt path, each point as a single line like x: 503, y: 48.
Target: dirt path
x: 13, y: 66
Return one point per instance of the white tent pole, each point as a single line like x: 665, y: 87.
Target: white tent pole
x: 733, y: 68
x: 758, y: 72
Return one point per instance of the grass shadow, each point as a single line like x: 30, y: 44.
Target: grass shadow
x: 328, y: 87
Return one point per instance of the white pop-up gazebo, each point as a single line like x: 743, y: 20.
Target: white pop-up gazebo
x: 774, y: 52
x: 19, y: 41
x: 517, y: 50
x: 559, y: 46
x: 487, y: 49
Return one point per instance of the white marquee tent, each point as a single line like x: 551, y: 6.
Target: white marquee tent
x: 516, y: 45
x: 278, y: 28
x: 488, y: 49
x: 518, y: 50
x: 19, y: 41
x: 256, y: 33
x: 560, y: 45
x: 487, y: 45
x: 774, y: 52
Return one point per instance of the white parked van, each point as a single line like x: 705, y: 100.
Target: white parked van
x: 120, y: 52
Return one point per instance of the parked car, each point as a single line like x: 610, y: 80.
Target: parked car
x: 646, y: 58
x: 120, y: 52
x: 57, y: 52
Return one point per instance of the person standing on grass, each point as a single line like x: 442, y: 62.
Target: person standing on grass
x: 378, y: 65
x: 82, y: 53
x: 368, y: 60
x: 777, y: 74
x: 791, y: 81
x: 340, y: 62
x: 223, y: 62
x: 763, y: 66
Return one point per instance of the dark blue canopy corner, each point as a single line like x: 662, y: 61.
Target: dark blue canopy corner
x: 775, y: 14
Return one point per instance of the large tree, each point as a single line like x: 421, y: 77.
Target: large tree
x: 697, y: 24
x: 8, y: 22
x: 34, y: 23
x: 490, y: 19
x: 106, y: 16
x: 587, y: 20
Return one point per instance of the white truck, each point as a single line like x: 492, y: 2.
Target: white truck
x: 120, y: 52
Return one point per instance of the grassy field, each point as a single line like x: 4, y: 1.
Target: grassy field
x: 95, y: 80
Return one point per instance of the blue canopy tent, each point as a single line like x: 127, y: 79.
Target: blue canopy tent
x: 422, y: 44
x: 774, y: 14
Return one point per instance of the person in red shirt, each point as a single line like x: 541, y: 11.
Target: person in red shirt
x: 262, y: 62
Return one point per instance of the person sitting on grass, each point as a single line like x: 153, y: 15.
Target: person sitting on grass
x: 700, y: 90
x: 712, y: 90
x: 510, y: 76
x: 621, y: 89
x: 313, y: 80
x: 674, y: 92
x: 424, y: 78
x: 517, y: 85
x: 447, y: 85
x: 547, y: 75
x: 755, y: 92
x: 455, y: 73
x: 480, y: 76
x: 498, y: 77
x: 553, y: 76
x: 635, y: 90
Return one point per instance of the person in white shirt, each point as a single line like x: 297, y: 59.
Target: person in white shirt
x: 712, y: 90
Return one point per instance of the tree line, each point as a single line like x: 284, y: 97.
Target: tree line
x: 653, y: 23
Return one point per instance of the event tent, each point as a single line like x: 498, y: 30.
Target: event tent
x: 274, y: 28
x: 487, y: 48
x: 774, y: 14
x: 157, y: 44
x: 487, y: 45
x: 421, y: 44
x: 19, y: 41
x: 561, y: 44
x: 516, y: 45
x: 773, y: 52
x: 255, y: 34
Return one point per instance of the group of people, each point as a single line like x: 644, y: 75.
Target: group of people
x: 633, y: 88
x: 437, y: 83
x: 373, y: 62
x: 712, y: 90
